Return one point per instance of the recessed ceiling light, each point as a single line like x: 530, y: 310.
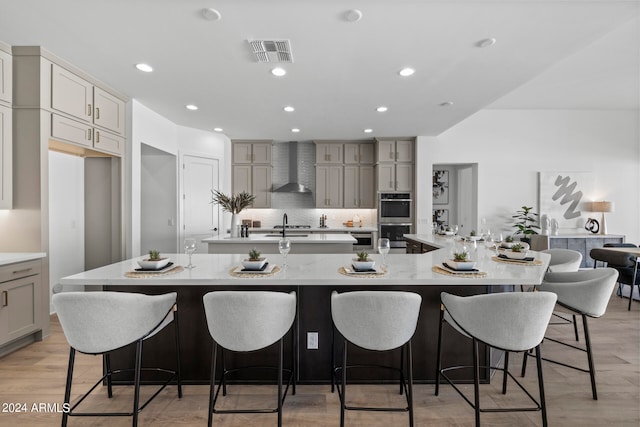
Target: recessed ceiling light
x: 295, y: 130
x: 486, y: 42
x: 211, y: 14
x: 446, y: 104
x: 278, y: 72
x: 406, y: 72
x: 289, y: 109
x: 144, y: 67
x: 218, y: 129
x: 353, y: 15
x: 192, y: 107
x: 368, y: 130
x: 381, y: 109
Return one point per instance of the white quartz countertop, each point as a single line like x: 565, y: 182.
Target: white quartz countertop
x: 13, y: 257
x: 319, y: 270
x: 328, y: 229
x: 294, y: 237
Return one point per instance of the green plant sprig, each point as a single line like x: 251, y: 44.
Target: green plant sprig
x: 526, y: 221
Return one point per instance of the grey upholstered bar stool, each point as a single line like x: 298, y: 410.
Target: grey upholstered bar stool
x: 100, y: 322
x: 244, y: 321
x: 376, y: 321
x: 586, y: 293
x: 563, y: 260
x: 512, y: 322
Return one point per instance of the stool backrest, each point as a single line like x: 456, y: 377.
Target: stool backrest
x: 96, y: 322
x: 614, y: 258
x: 249, y: 320
x: 376, y: 320
x: 586, y: 291
x: 512, y: 321
x: 564, y: 259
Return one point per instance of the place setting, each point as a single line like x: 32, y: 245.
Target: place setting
x: 154, y: 265
x: 363, y: 265
x: 514, y: 252
x: 459, y: 264
x: 256, y: 265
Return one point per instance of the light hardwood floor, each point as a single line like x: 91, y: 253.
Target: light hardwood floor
x: 36, y: 374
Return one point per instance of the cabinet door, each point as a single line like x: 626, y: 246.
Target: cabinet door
x: 106, y: 141
x: 19, y: 308
x: 328, y: 152
x: 71, y: 94
x: 404, y: 177
x: 329, y: 189
x: 242, y: 153
x: 6, y: 158
x: 68, y: 130
x: 261, y: 186
x: 351, y: 185
x: 404, y: 151
x: 367, y: 181
x: 261, y: 153
x: 367, y: 153
x: 108, y: 111
x: 351, y: 154
x: 386, y: 177
x: 386, y: 151
x: 6, y: 74
x: 241, y: 179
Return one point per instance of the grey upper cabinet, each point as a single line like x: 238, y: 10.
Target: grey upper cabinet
x: 6, y: 158
x: 395, y: 165
x: 248, y: 152
x: 108, y: 111
x: 328, y: 152
x: 359, y: 153
x: 252, y: 171
x: 395, y: 151
x: 6, y: 85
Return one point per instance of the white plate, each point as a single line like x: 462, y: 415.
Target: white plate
x: 514, y: 255
x: 444, y: 267
x: 268, y: 269
x: 350, y: 270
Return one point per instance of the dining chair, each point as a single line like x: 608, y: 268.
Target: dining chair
x: 379, y: 321
x: 625, y: 263
x: 98, y: 323
x: 248, y: 321
x: 511, y: 322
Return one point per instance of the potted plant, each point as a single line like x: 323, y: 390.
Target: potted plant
x: 526, y: 222
x: 517, y: 251
x: 254, y: 262
x: 461, y: 261
x: 233, y: 204
x: 363, y: 262
x: 154, y: 261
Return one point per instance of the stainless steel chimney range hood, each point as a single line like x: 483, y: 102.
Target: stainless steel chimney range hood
x: 294, y: 185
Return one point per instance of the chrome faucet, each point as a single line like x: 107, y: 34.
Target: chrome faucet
x: 285, y: 221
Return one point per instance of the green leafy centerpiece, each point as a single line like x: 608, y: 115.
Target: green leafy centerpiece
x: 255, y: 261
x: 363, y: 262
x: 154, y: 261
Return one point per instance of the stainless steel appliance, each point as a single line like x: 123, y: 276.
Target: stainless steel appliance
x: 395, y: 208
x: 395, y: 233
x: 364, y: 241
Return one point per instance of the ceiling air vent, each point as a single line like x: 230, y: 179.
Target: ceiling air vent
x: 272, y: 50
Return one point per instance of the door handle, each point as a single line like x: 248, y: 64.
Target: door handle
x: 97, y: 113
x: 88, y: 109
x: 5, y: 295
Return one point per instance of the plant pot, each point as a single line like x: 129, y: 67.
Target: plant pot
x: 235, y: 226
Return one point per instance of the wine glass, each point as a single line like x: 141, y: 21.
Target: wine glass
x: 384, y: 246
x: 497, y: 240
x: 189, y: 249
x: 284, y: 246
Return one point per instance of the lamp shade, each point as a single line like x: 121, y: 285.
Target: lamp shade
x: 602, y: 206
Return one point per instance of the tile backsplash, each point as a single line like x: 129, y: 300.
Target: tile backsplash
x: 335, y: 217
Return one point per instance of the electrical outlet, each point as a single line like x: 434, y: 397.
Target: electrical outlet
x: 312, y: 340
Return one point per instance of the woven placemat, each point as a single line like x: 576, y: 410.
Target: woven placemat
x: 440, y: 270
x: 234, y: 273
x: 147, y: 274
x: 341, y: 270
x: 517, y: 261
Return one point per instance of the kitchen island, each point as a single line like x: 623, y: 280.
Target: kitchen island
x: 313, y: 277
x: 301, y: 243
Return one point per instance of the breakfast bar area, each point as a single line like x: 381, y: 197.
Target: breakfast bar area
x: 313, y: 277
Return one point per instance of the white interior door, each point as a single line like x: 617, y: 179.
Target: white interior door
x: 200, y: 217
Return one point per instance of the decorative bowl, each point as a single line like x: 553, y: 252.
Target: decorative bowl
x: 461, y: 265
x: 254, y: 264
x: 363, y: 265
x: 514, y: 255
x: 449, y: 233
x: 473, y: 238
x: 508, y: 245
x: 148, y: 264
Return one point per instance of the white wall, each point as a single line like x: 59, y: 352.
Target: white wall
x: 512, y: 146
x: 66, y: 216
x: 152, y: 129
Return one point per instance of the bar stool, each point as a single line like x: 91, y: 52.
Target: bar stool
x: 586, y: 293
x: 245, y: 321
x: 99, y: 322
x: 563, y: 260
x: 512, y: 322
x: 376, y: 321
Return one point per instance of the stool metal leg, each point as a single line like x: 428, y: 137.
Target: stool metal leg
x: 280, y: 383
x: 504, y: 373
x: 212, y: 384
x: 476, y: 382
x: 401, y: 369
x: 543, y: 405
x: 107, y: 367
x: 333, y: 358
x: 136, y: 392
x: 177, y: 336
x: 343, y: 395
x: 410, y: 391
x: 592, y: 371
x: 67, y: 390
x: 439, y: 355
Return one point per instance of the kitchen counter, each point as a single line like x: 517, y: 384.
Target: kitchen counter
x: 328, y: 229
x: 301, y: 242
x: 313, y: 277
x: 14, y: 257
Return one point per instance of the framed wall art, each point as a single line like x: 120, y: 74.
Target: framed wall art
x: 441, y: 217
x: 440, y: 187
x: 564, y: 197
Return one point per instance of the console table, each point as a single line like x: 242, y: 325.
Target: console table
x: 583, y: 243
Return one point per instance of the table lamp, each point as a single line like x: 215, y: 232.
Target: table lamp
x: 602, y: 207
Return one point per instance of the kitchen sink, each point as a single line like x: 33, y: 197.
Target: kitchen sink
x: 288, y: 235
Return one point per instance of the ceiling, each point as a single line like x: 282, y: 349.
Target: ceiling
x: 548, y: 54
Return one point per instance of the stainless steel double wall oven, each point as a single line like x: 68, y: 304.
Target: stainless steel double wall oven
x: 395, y: 217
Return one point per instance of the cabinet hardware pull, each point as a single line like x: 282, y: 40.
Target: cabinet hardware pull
x: 89, y: 134
x: 5, y: 294
x: 24, y: 270
x: 98, y: 136
x: 88, y: 109
x: 97, y: 112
